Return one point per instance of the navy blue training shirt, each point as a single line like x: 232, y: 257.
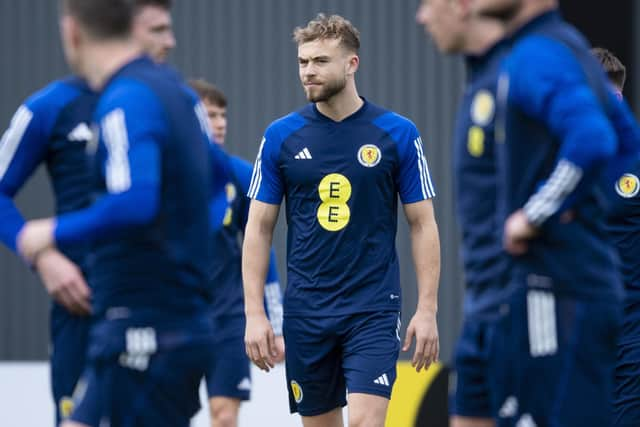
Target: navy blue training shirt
x: 226, y: 263
x: 475, y: 183
x: 51, y: 127
x: 341, y: 182
x: 150, y: 224
x: 558, y: 141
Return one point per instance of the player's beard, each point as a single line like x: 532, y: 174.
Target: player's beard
x: 328, y: 90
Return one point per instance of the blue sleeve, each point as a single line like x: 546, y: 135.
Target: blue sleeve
x: 22, y: 149
x: 547, y: 83
x: 412, y: 175
x: 221, y: 172
x: 266, y: 182
x: 132, y: 132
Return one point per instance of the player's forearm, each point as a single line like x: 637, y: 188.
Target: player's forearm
x: 255, y: 264
x: 425, y: 247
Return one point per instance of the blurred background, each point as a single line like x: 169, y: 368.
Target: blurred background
x: 245, y: 48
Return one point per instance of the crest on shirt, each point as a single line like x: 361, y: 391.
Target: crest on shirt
x: 297, y: 391
x: 628, y: 186
x: 483, y: 108
x: 231, y: 191
x: 369, y: 155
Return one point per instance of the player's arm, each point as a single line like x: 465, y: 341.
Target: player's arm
x: 22, y: 148
x: 547, y: 83
x: 272, y: 292
x: 266, y: 190
x: 132, y: 131
x: 416, y: 191
x: 259, y: 336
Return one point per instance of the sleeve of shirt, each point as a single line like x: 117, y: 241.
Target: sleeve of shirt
x: 22, y: 149
x: 547, y: 83
x: 413, y: 177
x: 132, y: 132
x: 266, y: 181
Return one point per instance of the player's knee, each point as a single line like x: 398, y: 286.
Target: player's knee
x: 223, y: 415
x: 366, y: 419
x: 71, y: 424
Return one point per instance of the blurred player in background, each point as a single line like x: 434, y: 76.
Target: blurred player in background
x: 559, y: 128
x: 229, y: 375
x: 479, y: 356
x: 151, y: 334
x: 52, y: 127
x: 341, y: 163
x: 624, y: 229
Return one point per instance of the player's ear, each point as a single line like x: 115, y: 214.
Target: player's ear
x: 352, y: 64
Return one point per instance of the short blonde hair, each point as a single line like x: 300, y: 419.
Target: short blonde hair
x: 324, y: 27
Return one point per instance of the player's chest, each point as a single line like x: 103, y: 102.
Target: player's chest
x: 351, y: 156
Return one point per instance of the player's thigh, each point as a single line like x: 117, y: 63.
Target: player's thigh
x: 370, y: 347
x: 560, y: 382
x: 367, y: 410
x: 69, y: 338
x: 313, y: 362
x: 163, y: 394
x: 472, y: 395
x: 229, y: 370
x: 626, y: 401
x: 332, y: 418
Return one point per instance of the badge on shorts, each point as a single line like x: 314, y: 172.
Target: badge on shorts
x: 628, y: 186
x: 297, y: 391
x: 65, y: 407
x: 369, y: 155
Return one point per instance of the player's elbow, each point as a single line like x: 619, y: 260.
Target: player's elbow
x: 138, y: 206
x: 593, y: 145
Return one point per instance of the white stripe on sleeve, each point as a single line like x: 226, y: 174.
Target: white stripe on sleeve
x: 118, y: 174
x: 12, y: 137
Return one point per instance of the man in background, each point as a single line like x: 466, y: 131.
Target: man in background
x: 229, y: 375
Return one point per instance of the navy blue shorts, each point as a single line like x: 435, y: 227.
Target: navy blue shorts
x: 562, y: 360
x: 480, y: 365
x: 326, y: 356
x: 144, y: 376
x: 69, y: 338
x: 626, y: 401
x: 229, y: 372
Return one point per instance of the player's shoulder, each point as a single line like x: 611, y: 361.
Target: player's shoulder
x: 397, y: 126
x: 280, y: 129
x: 56, y: 95
x: 240, y: 165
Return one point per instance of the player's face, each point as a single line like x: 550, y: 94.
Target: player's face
x: 443, y: 20
x: 503, y: 9
x: 217, y: 120
x: 153, y: 29
x: 324, y: 66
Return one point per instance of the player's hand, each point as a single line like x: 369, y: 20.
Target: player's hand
x: 63, y: 281
x: 279, y: 357
x: 34, y: 237
x: 260, y: 341
x: 424, y: 328
x: 518, y: 231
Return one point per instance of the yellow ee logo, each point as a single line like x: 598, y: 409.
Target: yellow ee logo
x: 475, y: 141
x: 335, y: 192
x: 628, y: 186
x: 65, y: 407
x: 232, y: 193
x: 297, y: 391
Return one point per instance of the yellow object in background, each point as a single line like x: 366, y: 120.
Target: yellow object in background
x: 408, y: 394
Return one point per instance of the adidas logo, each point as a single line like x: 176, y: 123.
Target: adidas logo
x: 80, y: 133
x: 509, y: 408
x: 245, y: 384
x: 304, y: 155
x: 382, y: 380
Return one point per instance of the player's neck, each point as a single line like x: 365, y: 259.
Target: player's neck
x: 341, y: 105
x: 104, y: 59
x: 482, y: 34
x: 529, y: 11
